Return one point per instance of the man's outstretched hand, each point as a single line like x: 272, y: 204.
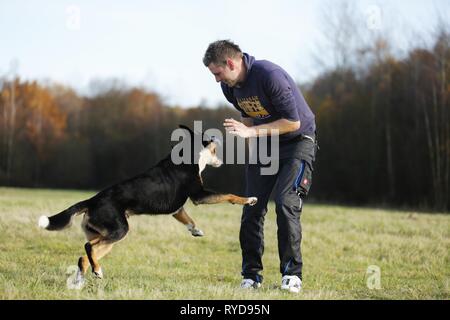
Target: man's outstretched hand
x: 238, y: 128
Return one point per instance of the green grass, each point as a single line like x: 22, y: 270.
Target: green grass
x: 159, y: 259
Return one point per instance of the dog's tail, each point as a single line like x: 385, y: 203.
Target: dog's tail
x: 64, y: 218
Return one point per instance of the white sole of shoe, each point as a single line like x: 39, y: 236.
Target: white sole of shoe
x: 290, y: 289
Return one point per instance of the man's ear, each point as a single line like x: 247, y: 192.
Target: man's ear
x: 230, y: 64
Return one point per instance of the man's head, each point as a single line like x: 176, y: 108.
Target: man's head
x: 224, y: 59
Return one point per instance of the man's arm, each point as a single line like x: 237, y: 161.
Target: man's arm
x: 246, y: 128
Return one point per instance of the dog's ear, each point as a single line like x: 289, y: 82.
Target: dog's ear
x: 206, y: 140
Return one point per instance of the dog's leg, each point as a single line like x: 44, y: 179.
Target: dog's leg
x: 83, y: 264
x: 96, y: 251
x: 102, y: 234
x: 210, y: 197
x: 185, y: 219
x: 102, y: 249
x: 99, y: 250
x: 92, y: 256
x: 91, y: 235
x: 78, y: 281
x: 83, y: 261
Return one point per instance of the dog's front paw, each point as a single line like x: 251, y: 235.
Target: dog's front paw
x: 194, y: 231
x: 197, y: 232
x: 252, y: 201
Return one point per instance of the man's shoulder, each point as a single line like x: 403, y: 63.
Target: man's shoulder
x: 266, y: 66
x: 265, y: 69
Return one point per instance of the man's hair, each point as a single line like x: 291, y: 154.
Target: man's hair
x: 219, y: 51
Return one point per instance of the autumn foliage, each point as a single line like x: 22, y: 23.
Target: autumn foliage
x: 384, y: 132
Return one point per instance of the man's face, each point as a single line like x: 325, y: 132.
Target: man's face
x: 227, y: 73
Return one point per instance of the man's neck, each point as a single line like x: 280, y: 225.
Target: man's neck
x: 242, y: 73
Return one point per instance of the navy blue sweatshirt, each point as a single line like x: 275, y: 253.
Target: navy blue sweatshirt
x: 267, y: 94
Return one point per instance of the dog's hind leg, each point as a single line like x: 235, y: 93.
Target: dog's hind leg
x: 103, y: 227
x: 103, y: 248
x: 83, y: 262
x: 182, y: 216
x: 91, y: 254
x: 98, y: 248
x: 97, y: 251
x: 91, y: 235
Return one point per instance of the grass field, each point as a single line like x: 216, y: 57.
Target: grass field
x: 159, y: 259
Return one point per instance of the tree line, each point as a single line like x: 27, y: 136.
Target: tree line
x: 383, y: 129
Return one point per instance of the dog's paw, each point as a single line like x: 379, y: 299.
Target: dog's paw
x: 197, y: 232
x: 98, y: 274
x: 252, y: 201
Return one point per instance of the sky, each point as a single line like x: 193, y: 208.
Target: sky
x: 159, y: 45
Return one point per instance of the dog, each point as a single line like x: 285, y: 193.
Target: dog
x: 162, y: 189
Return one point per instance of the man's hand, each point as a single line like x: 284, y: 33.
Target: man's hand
x: 239, y: 129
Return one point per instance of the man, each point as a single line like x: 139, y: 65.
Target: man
x: 268, y: 99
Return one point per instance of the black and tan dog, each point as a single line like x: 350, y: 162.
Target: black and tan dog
x: 162, y: 189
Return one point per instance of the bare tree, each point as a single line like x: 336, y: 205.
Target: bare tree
x: 343, y: 30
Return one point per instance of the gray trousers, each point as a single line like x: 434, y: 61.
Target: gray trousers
x: 290, y: 185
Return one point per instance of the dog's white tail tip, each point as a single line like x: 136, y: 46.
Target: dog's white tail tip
x: 43, y: 222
